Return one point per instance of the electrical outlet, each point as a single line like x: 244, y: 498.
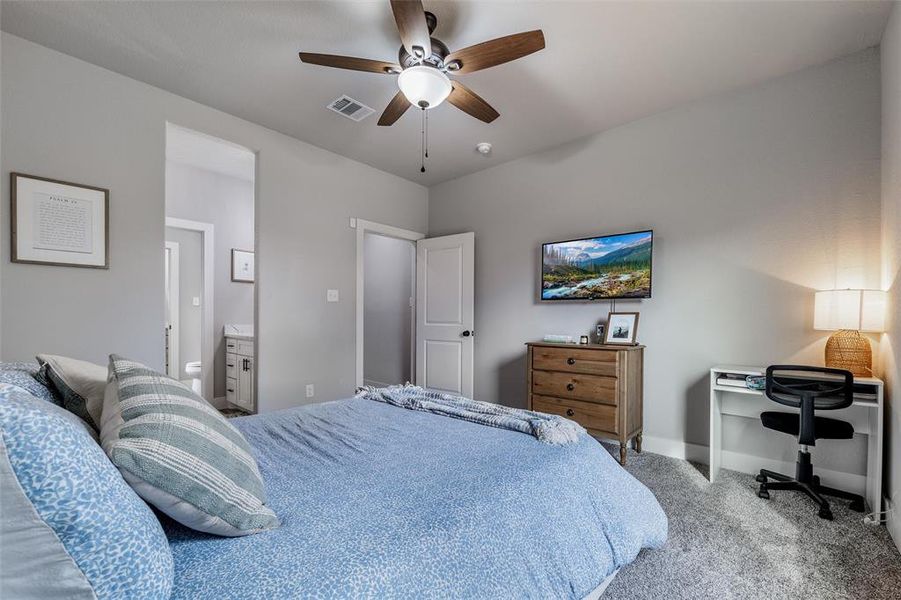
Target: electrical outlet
x: 331, y: 295
x: 195, y: 300
x: 311, y: 390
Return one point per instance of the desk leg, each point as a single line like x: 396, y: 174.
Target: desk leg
x: 716, y: 432
x: 874, y: 459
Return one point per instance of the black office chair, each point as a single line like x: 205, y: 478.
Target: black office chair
x: 808, y: 389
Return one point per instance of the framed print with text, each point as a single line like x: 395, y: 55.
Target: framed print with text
x: 58, y: 223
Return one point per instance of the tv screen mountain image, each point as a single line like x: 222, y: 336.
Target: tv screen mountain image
x: 600, y: 268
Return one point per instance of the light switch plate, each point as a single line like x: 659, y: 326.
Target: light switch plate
x: 311, y: 390
x: 195, y: 301
x: 331, y: 295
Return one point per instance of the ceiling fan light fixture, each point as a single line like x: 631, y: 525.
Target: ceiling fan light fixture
x: 423, y: 86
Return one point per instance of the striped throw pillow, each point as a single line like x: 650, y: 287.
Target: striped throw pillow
x: 180, y: 454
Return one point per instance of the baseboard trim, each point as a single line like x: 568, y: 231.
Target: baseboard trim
x: 892, y: 522
x: 675, y: 448
x: 749, y: 463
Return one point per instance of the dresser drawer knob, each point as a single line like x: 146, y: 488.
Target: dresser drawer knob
x: 570, y: 361
x: 569, y: 412
x: 570, y: 386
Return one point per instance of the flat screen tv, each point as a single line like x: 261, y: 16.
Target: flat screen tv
x: 598, y: 268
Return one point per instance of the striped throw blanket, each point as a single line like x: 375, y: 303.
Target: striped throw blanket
x: 550, y: 429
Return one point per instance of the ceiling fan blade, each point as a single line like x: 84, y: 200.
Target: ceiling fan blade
x: 471, y: 103
x: 412, y: 27
x: 496, y: 52
x: 397, y: 107
x: 350, y: 62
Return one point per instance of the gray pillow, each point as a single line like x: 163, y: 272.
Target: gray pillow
x: 80, y: 384
x: 180, y: 454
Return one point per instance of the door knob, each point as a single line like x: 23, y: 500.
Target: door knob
x: 466, y: 333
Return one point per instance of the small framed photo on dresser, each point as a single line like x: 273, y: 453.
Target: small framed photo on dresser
x: 58, y: 223
x: 622, y: 328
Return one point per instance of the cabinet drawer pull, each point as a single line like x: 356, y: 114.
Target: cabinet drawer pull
x: 570, y: 412
x: 570, y: 361
x: 570, y: 386
x: 231, y: 390
x: 230, y: 365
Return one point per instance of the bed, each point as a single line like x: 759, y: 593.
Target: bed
x: 379, y: 501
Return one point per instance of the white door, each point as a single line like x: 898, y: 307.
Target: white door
x: 445, y: 274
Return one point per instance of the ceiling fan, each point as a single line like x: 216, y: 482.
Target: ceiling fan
x: 424, y: 62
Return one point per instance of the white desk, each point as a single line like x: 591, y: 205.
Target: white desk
x: 865, y: 414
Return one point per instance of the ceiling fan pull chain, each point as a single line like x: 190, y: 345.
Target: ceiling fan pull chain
x: 422, y: 142
x: 426, y: 134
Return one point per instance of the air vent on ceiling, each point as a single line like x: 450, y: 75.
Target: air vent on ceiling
x: 350, y: 108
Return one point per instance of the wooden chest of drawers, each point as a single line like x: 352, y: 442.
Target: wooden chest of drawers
x: 598, y: 386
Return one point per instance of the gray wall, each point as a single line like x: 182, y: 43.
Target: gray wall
x: 757, y: 198
x: 891, y: 207
x: 70, y: 120
x: 190, y: 285
x: 226, y: 202
x: 388, y: 287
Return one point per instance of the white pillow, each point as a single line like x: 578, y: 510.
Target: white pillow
x: 81, y: 385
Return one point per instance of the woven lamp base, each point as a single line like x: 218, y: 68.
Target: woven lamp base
x: 847, y: 349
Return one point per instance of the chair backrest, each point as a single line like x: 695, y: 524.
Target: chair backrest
x: 809, y: 389
x: 829, y: 389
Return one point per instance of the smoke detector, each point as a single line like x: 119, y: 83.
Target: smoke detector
x: 483, y: 148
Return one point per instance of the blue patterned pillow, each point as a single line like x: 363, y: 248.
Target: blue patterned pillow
x: 77, y: 529
x: 25, y: 376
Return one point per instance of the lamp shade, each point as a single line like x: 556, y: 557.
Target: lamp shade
x: 857, y: 310
x: 424, y: 87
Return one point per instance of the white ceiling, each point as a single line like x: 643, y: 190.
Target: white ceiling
x: 206, y: 152
x: 606, y: 63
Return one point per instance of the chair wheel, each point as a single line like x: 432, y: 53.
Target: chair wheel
x: 825, y: 513
x: 760, y: 479
x: 856, y: 505
x: 763, y: 493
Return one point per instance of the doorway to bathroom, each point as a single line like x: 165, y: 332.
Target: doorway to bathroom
x: 210, y: 268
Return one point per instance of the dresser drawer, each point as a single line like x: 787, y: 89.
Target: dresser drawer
x: 575, y: 360
x: 231, y: 391
x: 600, y: 417
x: 590, y: 388
x: 231, y: 365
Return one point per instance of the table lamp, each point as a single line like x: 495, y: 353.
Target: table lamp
x: 848, y: 312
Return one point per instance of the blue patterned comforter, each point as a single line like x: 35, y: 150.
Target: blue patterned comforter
x: 381, y: 502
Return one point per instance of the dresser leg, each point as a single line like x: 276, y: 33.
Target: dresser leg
x: 636, y: 442
x: 622, y: 453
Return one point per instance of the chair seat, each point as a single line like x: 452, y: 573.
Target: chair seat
x: 826, y: 429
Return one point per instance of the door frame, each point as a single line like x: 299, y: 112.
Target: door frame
x: 172, y: 283
x: 207, y: 345
x: 363, y: 227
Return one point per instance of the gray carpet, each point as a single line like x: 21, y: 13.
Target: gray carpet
x: 725, y: 542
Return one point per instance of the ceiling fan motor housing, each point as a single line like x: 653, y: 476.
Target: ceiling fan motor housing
x: 436, y: 59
